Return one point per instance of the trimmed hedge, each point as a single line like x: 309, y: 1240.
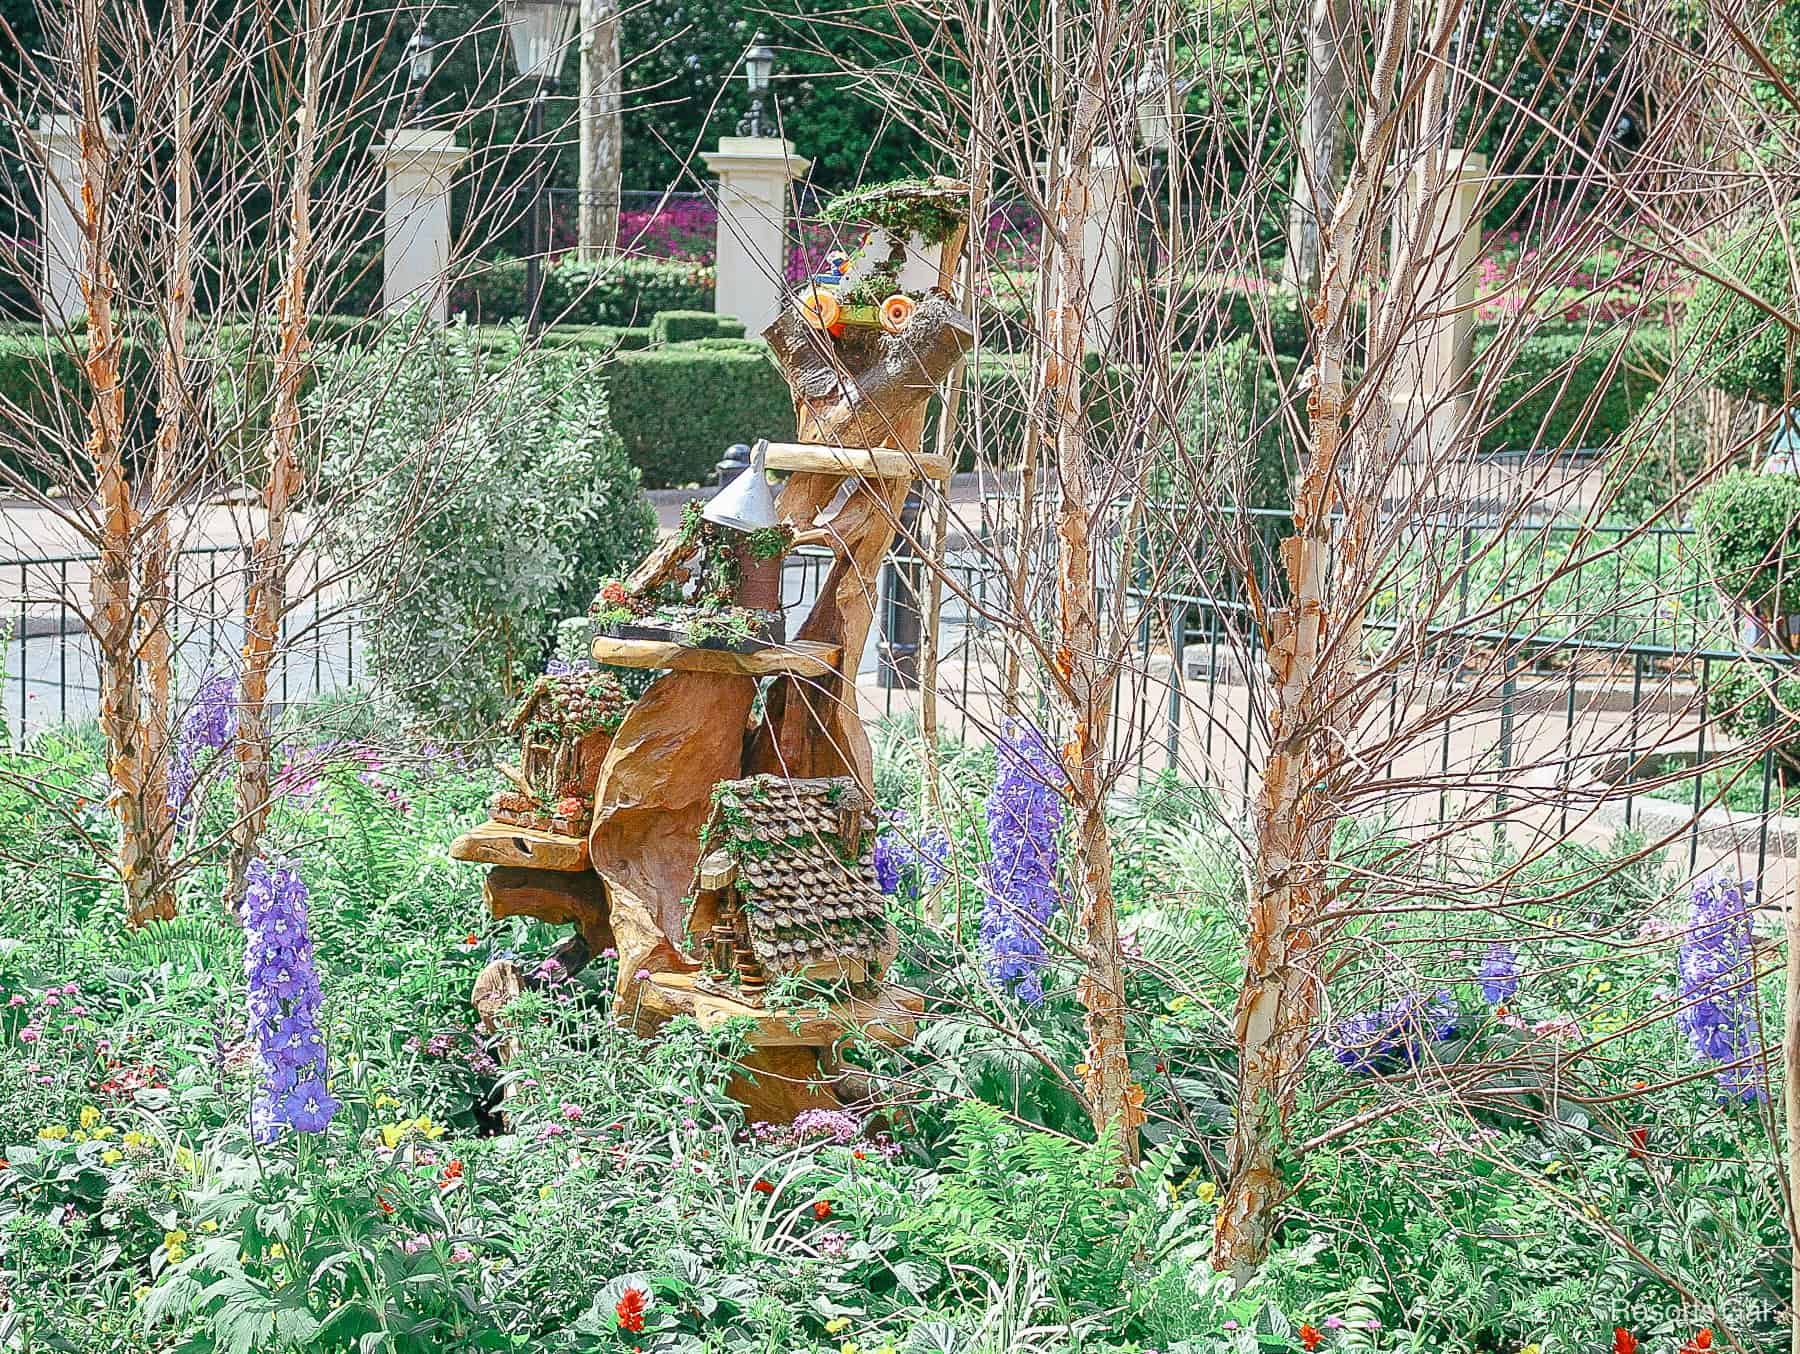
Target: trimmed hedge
x: 1547, y: 398
x: 681, y: 326
x: 44, y: 397
x: 625, y: 292
x: 677, y: 409
x: 1206, y: 314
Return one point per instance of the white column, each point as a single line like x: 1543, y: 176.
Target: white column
x: 64, y: 240
x: 1103, y: 244
x: 754, y: 174
x: 416, y: 251
x: 1431, y: 366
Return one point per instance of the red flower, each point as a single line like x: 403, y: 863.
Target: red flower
x: 822, y: 1209
x: 614, y: 593
x: 1701, y: 1342
x: 452, y: 1173
x: 1310, y: 1336
x: 1624, y: 1342
x: 1640, y: 1143
x: 382, y: 1203
x: 470, y: 939
x: 763, y: 1187
x: 630, y: 1309
x: 860, y: 1155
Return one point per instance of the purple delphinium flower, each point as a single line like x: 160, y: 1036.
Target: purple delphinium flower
x: 209, y: 724
x: 284, y: 1006
x: 906, y: 868
x: 1390, y: 1038
x: 1499, y: 973
x: 1023, y: 817
x: 1718, y: 986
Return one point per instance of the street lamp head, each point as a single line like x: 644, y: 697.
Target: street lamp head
x: 759, y: 65
x: 1155, y: 117
x: 419, y: 56
x: 541, y: 31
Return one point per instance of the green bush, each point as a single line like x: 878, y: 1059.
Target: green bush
x: 1750, y: 697
x: 481, y: 505
x: 43, y: 404
x: 1738, y: 344
x: 677, y: 409
x: 617, y: 292
x: 679, y: 326
x: 1748, y: 527
x: 1571, y: 387
x: 1206, y: 314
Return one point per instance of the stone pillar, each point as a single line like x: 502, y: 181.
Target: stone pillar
x: 415, y: 258
x: 63, y: 239
x: 754, y: 174
x: 1104, y: 244
x: 1430, y: 381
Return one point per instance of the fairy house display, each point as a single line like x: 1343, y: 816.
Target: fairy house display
x: 787, y: 886
x: 716, y: 582
x: 728, y: 853
x: 564, y: 725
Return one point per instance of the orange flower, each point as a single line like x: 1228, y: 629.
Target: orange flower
x: 1701, y: 1342
x: 452, y: 1173
x: 822, y: 1209
x: 630, y: 1309
x: 1624, y: 1342
x: 1311, y: 1337
x: 763, y: 1187
x: 382, y: 1203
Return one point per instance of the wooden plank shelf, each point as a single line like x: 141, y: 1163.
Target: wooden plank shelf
x: 802, y: 658
x: 503, y: 844
x: 889, y: 1016
x: 868, y: 463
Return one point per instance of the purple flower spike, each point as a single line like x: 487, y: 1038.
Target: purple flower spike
x: 907, y: 869
x: 1718, y: 987
x: 284, y: 1002
x: 1023, y: 818
x: 1499, y: 974
x: 209, y: 725
x: 1391, y: 1038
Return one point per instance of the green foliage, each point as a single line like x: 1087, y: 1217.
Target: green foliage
x: 1745, y: 344
x: 1749, y: 698
x: 1749, y: 533
x: 487, y: 504
x: 677, y: 409
x: 1572, y: 387
x: 679, y: 326
x: 621, y: 292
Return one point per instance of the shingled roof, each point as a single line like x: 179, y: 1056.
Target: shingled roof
x: 808, y: 895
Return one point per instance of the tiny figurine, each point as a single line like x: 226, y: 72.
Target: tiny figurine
x: 787, y: 886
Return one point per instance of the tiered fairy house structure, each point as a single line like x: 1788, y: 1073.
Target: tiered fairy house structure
x: 729, y: 852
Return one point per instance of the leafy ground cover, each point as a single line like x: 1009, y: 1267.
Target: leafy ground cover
x: 1475, y: 1189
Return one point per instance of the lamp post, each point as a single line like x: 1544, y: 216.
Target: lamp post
x: 759, y: 66
x: 541, y: 31
x: 420, y: 59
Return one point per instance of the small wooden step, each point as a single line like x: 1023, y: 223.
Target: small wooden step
x: 503, y: 844
x: 802, y: 658
x: 890, y: 1015
x: 869, y: 463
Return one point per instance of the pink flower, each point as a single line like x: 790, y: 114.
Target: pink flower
x: 1334, y: 1323
x: 572, y: 1112
x: 15, y: 1000
x: 70, y: 989
x: 415, y: 1243
x: 461, y: 1254
x: 51, y: 999
x: 643, y: 974
x: 28, y: 1035
x: 609, y: 953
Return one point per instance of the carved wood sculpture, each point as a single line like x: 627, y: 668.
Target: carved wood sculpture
x: 687, y: 748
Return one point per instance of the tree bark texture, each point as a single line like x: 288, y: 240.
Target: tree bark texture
x: 602, y: 129
x: 1319, y: 162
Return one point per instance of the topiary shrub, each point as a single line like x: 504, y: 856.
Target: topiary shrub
x: 1738, y: 344
x: 1572, y: 387
x: 680, y: 326
x: 677, y: 409
x: 1750, y: 697
x: 1748, y: 529
x: 478, y: 506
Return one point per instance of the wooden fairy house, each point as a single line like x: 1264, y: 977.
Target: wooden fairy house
x: 787, y: 886
x: 716, y: 582
x: 564, y: 724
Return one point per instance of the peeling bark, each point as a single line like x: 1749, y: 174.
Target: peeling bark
x: 602, y: 129
x: 265, y: 601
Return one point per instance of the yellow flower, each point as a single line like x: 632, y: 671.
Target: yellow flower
x: 278, y: 1251
x: 81, y: 1135
x: 209, y: 1226
x: 1591, y: 1211
x: 545, y: 1191
x: 135, y: 1139
x: 1532, y: 1349
x: 427, y: 1128
x: 385, y: 1101
x: 1081, y: 1069
x: 53, y: 1132
x: 391, y: 1135
x: 837, y: 1325
x: 849, y: 1347
x: 1604, y: 987
x: 1179, y: 1004
x: 174, y: 1238
x: 89, y: 1116
x: 1206, y: 1191
x: 175, y: 1246
x: 1554, y: 1167
x: 101, y: 1134
x: 186, y: 1160
x: 111, y: 1156
x: 141, y: 1292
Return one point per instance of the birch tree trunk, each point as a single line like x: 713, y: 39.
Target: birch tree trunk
x: 602, y: 129
x: 265, y: 601
x: 171, y: 427
x: 1114, y: 1102
x: 114, y: 612
x: 1295, y: 815
x: 1321, y: 151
